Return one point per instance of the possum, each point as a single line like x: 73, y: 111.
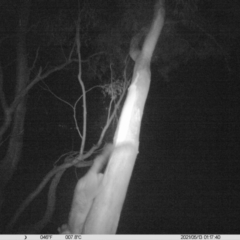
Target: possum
x: 85, y: 192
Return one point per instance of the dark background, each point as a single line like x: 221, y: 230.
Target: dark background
x: 187, y: 174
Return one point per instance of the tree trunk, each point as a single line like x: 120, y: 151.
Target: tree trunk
x: 10, y: 161
x: 105, y: 211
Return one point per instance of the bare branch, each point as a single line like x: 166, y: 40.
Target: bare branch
x: 84, y: 130
x: 38, y: 78
x: 6, y: 116
x: 2, y: 95
x: 91, y: 56
x: 72, y: 50
x: 71, y: 160
x: 75, y: 117
x: 55, y: 95
x: 40, y: 187
x: 35, y: 60
x: 37, y: 227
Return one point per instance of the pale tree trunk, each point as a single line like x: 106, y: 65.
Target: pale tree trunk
x: 10, y: 161
x: 105, y: 210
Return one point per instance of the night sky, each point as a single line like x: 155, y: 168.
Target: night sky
x: 187, y: 174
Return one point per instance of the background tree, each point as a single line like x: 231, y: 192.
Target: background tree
x: 16, y: 111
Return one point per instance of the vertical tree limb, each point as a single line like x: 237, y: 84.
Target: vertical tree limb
x: 106, y: 208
